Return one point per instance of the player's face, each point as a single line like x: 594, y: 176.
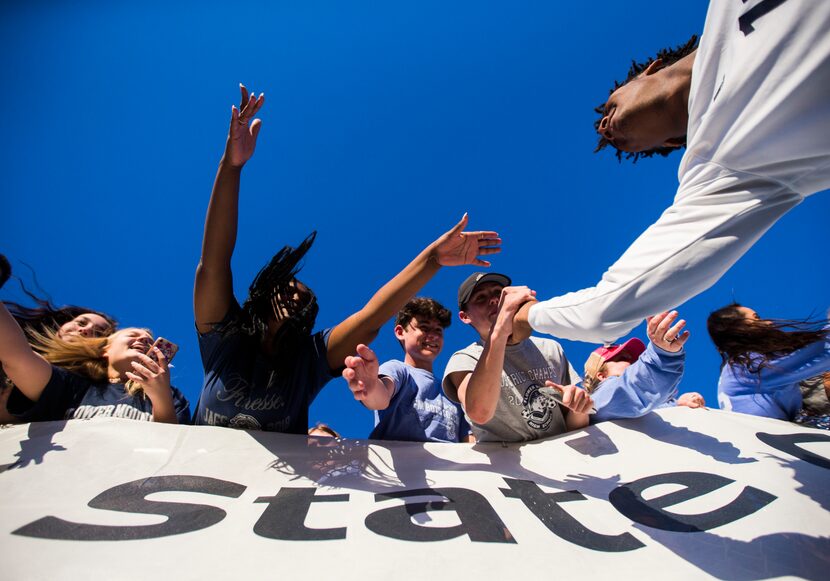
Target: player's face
x: 422, y: 339
x: 483, y: 307
x: 637, y: 116
x: 85, y: 325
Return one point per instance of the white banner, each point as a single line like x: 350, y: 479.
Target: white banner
x: 682, y: 494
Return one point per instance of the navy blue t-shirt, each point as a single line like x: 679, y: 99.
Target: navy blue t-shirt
x: 241, y: 388
x: 69, y: 396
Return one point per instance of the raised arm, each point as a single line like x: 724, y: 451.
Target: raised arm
x: 710, y: 226
x: 454, y: 248
x: 213, y: 289
x: 27, y: 370
x: 480, y: 390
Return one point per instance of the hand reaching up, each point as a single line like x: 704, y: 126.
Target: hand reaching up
x: 456, y: 247
x: 244, y: 129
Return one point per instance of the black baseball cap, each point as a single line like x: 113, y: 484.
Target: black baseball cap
x: 473, y: 281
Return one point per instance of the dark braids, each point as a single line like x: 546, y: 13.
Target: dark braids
x: 669, y: 56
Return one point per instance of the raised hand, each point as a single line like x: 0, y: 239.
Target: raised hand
x: 243, y: 131
x: 361, y: 372
x: 662, y: 334
x: 457, y: 247
x: 511, y: 300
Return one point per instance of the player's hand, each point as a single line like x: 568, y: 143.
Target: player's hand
x: 666, y: 335
x: 510, y: 301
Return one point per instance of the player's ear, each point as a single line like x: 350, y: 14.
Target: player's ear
x: 675, y: 142
x: 464, y: 318
x: 655, y: 66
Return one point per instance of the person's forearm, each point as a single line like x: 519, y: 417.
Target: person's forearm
x: 222, y: 216
x: 575, y: 421
x: 28, y: 371
x: 163, y: 409
x: 481, y: 397
x: 363, y: 326
x: 378, y: 395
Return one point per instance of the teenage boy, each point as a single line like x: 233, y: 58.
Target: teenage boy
x: 500, y: 383
x: 408, y: 402
x: 630, y: 380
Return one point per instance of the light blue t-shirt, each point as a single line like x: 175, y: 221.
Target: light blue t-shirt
x: 647, y: 384
x: 419, y: 411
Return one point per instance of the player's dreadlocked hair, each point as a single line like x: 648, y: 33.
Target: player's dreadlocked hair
x: 271, y: 284
x: 669, y: 56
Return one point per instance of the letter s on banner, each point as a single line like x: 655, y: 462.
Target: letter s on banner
x: 131, y: 497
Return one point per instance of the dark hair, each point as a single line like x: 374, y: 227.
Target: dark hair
x: 740, y: 340
x: 46, y: 316
x: 424, y: 308
x: 669, y: 56
x: 324, y: 428
x: 274, y: 280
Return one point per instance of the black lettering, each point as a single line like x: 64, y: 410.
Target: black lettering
x: 789, y: 443
x: 748, y: 18
x: 284, y: 517
x: 628, y: 499
x: 478, y: 519
x: 131, y: 497
x: 545, y: 505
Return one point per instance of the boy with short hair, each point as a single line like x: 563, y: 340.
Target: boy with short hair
x: 408, y: 402
x: 504, y: 384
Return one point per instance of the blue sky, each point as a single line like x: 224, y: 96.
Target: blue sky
x: 383, y: 124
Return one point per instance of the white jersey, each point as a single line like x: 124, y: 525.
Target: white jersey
x: 758, y: 142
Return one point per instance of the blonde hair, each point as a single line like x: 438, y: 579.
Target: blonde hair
x: 593, y: 367
x: 84, y: 356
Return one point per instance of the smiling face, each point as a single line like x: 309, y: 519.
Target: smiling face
x: 482, y: 308
x: 422, y: 340
x: 85, y: 325
x: 124, y: 347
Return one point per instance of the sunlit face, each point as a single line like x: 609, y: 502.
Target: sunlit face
x: 422, y: 339
x: 637, y: 118
x: 126, y: 345
x: 483, y: 307
x: 748, y: 314
x: 85, y: 325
